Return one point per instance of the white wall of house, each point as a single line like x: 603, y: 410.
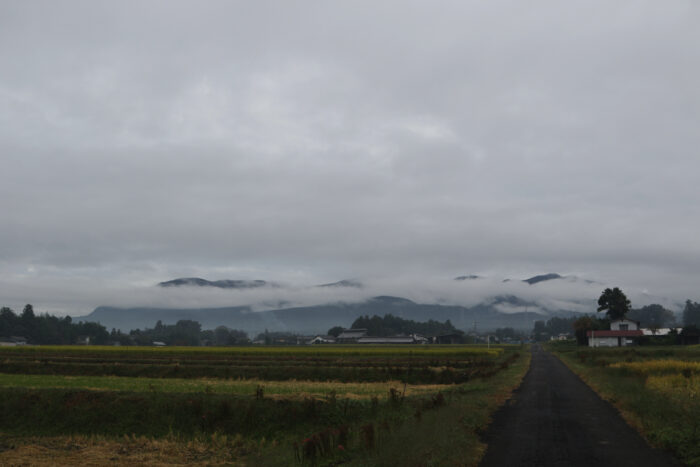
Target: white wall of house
x: 624, y: 325
x: 608, y: 341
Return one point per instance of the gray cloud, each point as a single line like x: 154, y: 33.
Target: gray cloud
x: 142, y: 141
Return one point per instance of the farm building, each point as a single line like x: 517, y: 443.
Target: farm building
x: 321, y: 340
x: 623, y: 332
x: 359, y: 336
x: 412, y: 339
x: 453, y: 338
x: 349, y: 336
x: 12, y: 341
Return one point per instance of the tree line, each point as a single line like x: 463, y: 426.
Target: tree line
x: 615, y: 305
x: 187, y: 332
x: 45, y: 329
x: 390, y: 325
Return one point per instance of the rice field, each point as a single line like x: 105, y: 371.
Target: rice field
x: 679, y: 380
x: 408, y: 364
x: 275, y: 405
x: 288, y: 351
x: 663, y: 366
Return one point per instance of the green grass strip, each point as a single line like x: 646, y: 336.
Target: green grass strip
x: 215, y: 386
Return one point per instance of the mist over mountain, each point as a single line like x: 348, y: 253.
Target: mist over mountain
x: 318, y: 319
x: 484, y: 301
x: 254, y: 305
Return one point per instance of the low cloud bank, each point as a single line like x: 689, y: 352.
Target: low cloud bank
x: 571, y: 293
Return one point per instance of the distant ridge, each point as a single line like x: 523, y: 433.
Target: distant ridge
x: 504, y: 309
x: 344, y: 283
x: 319, y: 318
x: 467, y: 277
x: 221, y: 284
x: 543, y: 278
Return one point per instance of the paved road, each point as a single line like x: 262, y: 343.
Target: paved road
x: 555, y: 419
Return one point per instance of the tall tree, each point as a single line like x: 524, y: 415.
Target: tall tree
x: 653, y: 315
x: 28, y: 313
x: 614, y: 302
x: 691, y: 313
x: 584, y: 324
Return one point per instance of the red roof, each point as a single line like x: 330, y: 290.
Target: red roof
x: 634, y: 333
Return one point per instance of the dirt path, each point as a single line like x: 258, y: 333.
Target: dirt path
x: 555, y: 419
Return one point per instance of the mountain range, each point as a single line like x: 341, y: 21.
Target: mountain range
x: 497, y: 311
x: 320, y: 318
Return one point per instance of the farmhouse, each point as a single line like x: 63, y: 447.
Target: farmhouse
x: 623, y: 332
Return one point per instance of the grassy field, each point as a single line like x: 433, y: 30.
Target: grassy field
x: 303, y: 405
x: 655, y: 388
x: 291, y: 388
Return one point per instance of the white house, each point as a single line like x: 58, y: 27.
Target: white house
x: 622, y: 332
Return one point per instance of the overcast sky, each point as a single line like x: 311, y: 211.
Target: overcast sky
x: 312, y: 141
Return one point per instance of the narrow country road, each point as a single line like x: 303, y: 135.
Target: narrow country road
x: 555, y: 419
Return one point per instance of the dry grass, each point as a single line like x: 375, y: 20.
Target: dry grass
x: 675, y: 385
x: 658, y: 366
x: 98, y: 451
